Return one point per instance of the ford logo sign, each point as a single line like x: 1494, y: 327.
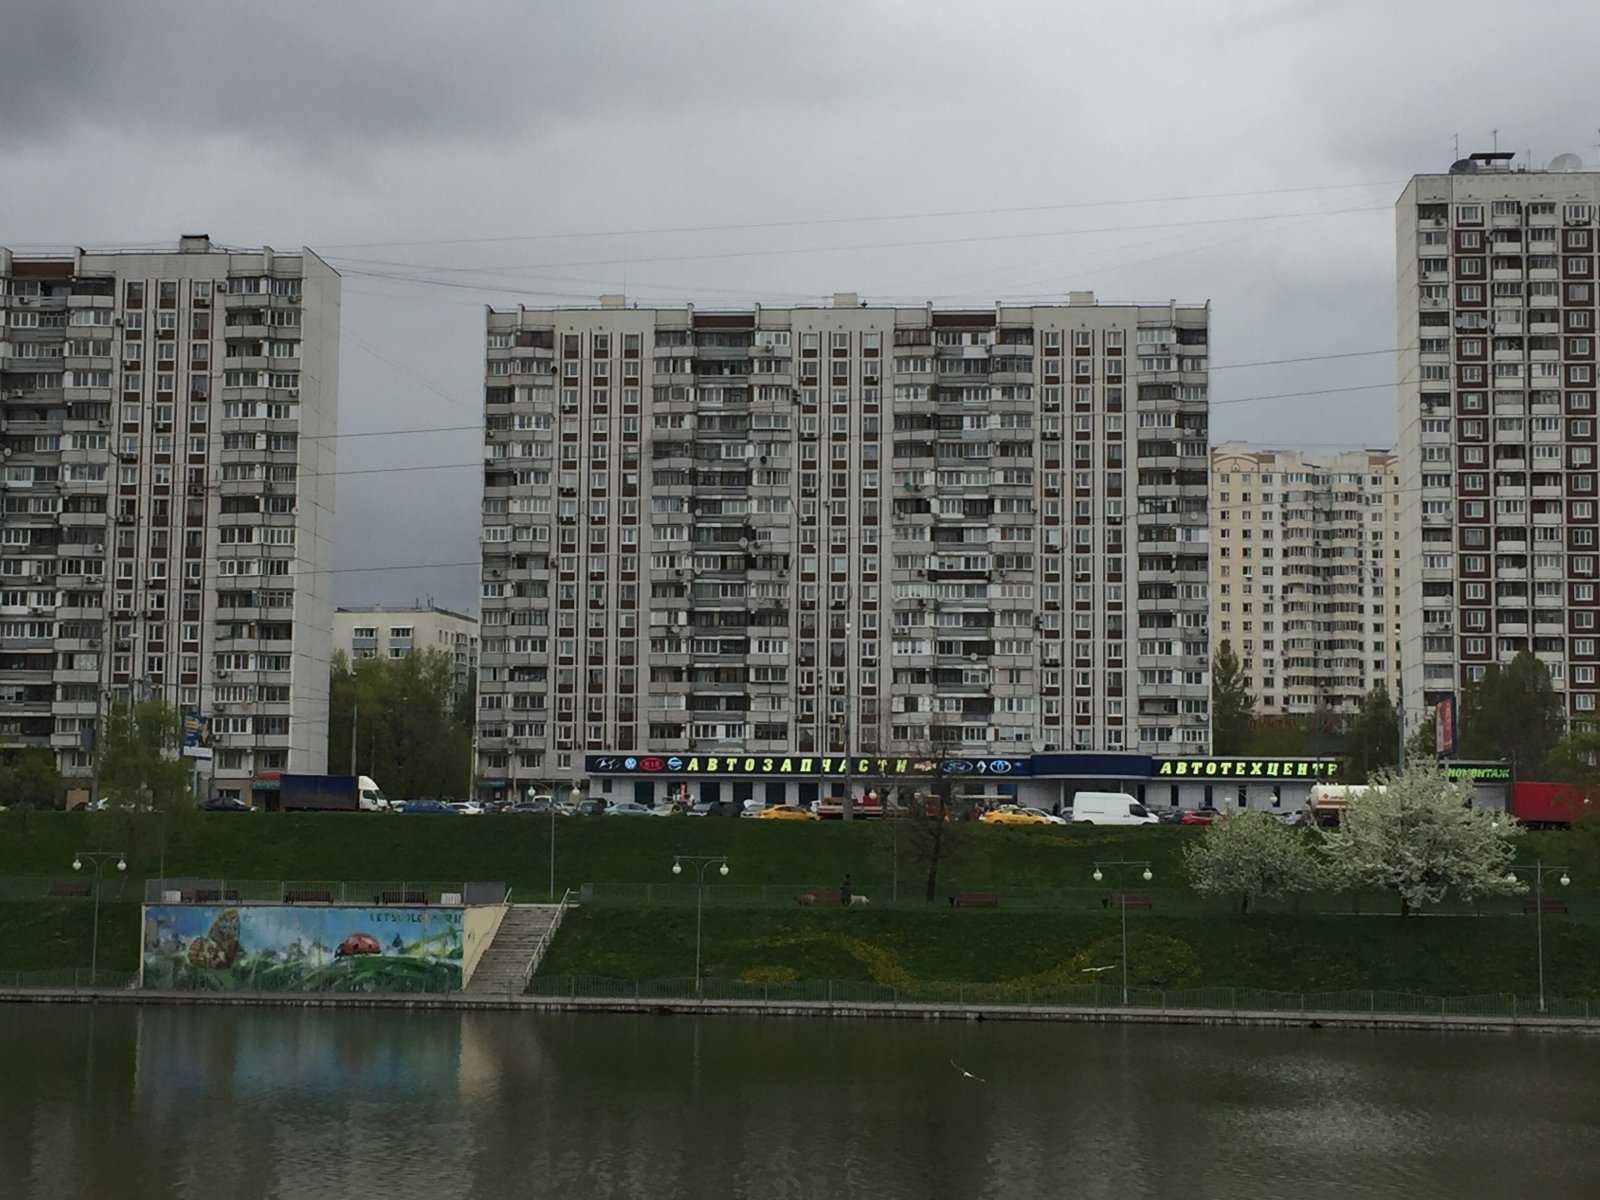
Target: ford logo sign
x: 956, y: 766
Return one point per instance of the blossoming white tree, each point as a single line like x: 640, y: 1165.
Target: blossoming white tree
x: 1250, y: 854
x: 1414, y: 834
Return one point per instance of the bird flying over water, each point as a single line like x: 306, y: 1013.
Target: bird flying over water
x: 966, y: 1074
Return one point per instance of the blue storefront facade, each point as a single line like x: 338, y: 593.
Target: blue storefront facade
x: 1048, y: 781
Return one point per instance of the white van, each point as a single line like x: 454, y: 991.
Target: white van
x: 372, y: 797
x: 1110, y: 808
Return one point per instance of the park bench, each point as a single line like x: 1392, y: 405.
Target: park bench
x: 1124, y: 900
x: 70, y: 887
x: 307, y: 896
x: 401, y: 897
x: 1548, y: 904
x: 975, y: 900
x: 818, y: 896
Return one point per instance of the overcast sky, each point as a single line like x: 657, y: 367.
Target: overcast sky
x: 1246, y: 153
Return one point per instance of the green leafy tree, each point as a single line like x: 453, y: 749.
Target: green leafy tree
x: 1249, y: 854
x: 1232, y: 706
x: 1373, y: 741
x: 406, y: 723
x: 1413, y: 834
x: 30, y: 780
x: 1277, y: 737
x: 143, y: 771
x: 1513, y: 712
x: 1420, y: 742
x: 1576, y: 761
x: 141, y: 764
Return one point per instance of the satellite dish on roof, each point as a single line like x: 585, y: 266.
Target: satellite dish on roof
x: 1463, y: 166
x: 1566, y: 162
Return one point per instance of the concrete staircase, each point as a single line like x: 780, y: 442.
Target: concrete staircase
x: 510, y: 958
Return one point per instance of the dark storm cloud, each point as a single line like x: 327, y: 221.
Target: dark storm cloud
x: 357, y: 123
x: 352, y: 73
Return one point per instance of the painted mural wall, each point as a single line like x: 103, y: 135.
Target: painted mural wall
x: 301, y: 948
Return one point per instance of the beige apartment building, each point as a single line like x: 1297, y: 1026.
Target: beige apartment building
x: 1305, y: 573
x: 384, y: 631
x: 848, y: 527
x: 1497, y: 309
x: 167, y: 495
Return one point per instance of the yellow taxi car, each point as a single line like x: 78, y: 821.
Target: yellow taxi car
x: 1014, y: 814
x: 786, y: 812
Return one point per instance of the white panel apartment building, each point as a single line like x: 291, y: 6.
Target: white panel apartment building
x: 1305, y: 573
x: 812, y: 529
x: 1496, y: 272
x: 384, y: 631
x: 168, y: 497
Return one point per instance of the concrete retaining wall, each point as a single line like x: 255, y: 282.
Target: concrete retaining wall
x: 850, y: 1011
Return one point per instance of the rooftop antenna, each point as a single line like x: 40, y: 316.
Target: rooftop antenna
x: 1457, y: 154
x: 1495, y: 134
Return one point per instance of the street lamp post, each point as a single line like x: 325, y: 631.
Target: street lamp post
x: 99, y: 859
x: 700, y: 862
x: 1537, y: 870
x: 1147, y: 876
x: 575, y: 795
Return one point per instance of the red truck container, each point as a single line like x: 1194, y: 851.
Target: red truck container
x: 1547, y: 805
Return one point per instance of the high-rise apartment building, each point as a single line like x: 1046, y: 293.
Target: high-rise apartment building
x: 1305, y: 573
x: 168, y: 498
x: 386, y: 631
x: 812, y: 530
x: 1496, y: 271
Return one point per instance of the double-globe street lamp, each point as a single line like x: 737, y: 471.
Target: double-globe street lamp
x: 99, y: 859
x: 1537, y: 870
x: 1147, y: 876
x: 700, y: 862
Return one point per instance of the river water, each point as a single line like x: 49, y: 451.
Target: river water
x: 132, y: 1102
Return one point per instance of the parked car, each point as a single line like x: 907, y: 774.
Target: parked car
x: 467, y: 808
x: 1203, y: 815
x: 427, y: 806
x: 1014, y: 814
x: 225, y: 804
x: 787, y: 812
x: 628, y: 808
x: 1050, y: 817
x: 529, y: 808
x: 591, y: 808
x: 714, y: 808
x: 1110, y: 808
x: 1170, y: 816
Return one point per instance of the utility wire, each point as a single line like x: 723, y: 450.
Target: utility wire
x: 973, y: 239
x: 853, y: 220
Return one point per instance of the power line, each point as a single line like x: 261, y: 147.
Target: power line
x: 1271, y: 362
x: 974, y: 239
x: 853, y: 220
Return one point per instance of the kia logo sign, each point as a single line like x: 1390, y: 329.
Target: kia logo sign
x: 650, y: 764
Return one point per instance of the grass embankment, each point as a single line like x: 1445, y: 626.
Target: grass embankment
x: 641, y: 923
x: 605, y: 850
x: 1039, y: 950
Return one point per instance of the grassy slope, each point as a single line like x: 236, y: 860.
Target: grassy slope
x: 1438, y: 956
x: 623, y: 937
